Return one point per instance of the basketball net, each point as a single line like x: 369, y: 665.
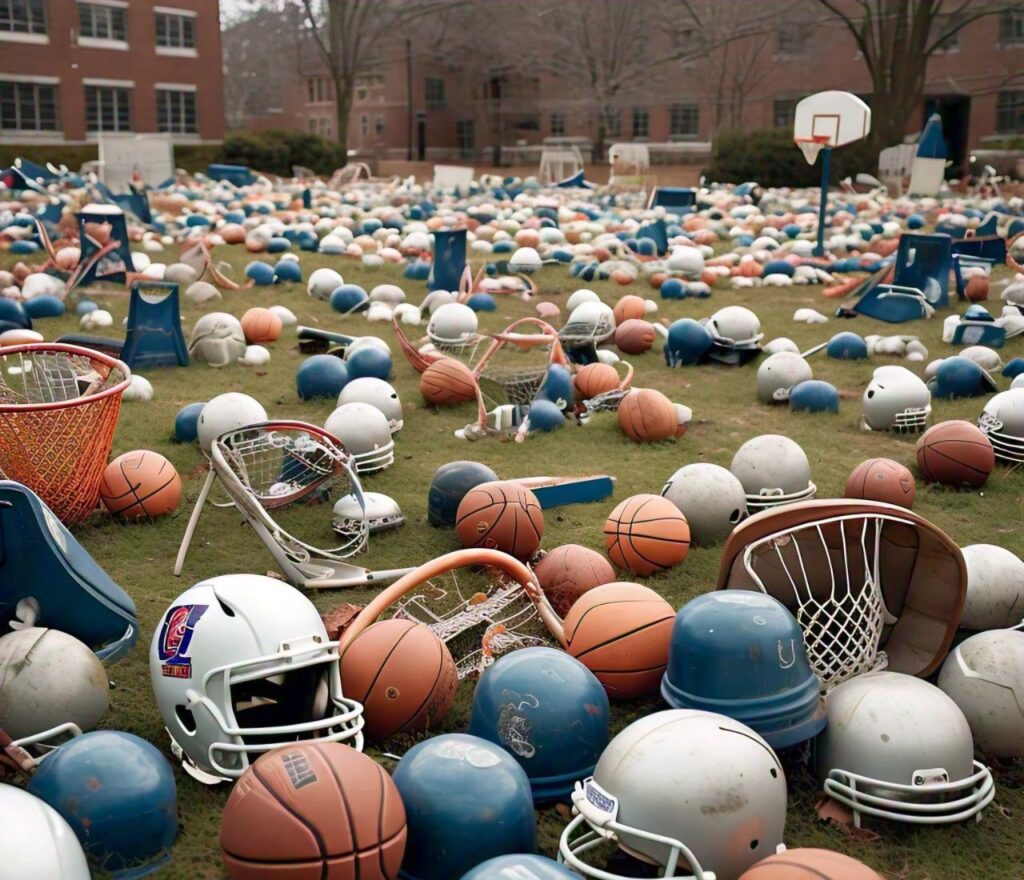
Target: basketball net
x: 811, y: 147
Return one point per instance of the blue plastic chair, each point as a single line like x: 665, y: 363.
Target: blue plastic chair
x: 154, y: 337
x: 920, y: 284
x: 449, y: 260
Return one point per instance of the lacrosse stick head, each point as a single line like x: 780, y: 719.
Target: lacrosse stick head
x: 515, y: 364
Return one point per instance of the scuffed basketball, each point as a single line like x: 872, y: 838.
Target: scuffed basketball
x: 313, y: 810
x: 594, y: 379
x: 646, y: 416
x: 501, y: 516
x: 567, y: 572
x: 260, y: 325
x: 882, y: 479
x: 403, y: 674
x: 447, y: 382
x: 634, y: 336
x: 645, y: 534
x: 621, y: 633
x: 955, y: 453
x: 810, y: 864
x: 629, y: 306
x: 140, y: 483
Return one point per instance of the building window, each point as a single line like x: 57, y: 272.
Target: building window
x: 465, y: 132
x: 26, y: 106
x: 1011, y: 26
x: 434, y: 93
x: 557, y: 124
x: 325, y: 126
x: 313, y: 124
x: 794, y: 38
x: 174, y: 31
x: 108, y: 108
x: 23, y: 16
x: 641, y: 122
x: 952, y: 42
x: 1010, y: 112
x: 361, y: 94
x: 612, y: 123
x: 100, y: 22
x: 364, y: 126
x: 319, y: 90
x: 378, y: 126
x: 782, y: 112
x: 176, y: 111
x: 684, y: 120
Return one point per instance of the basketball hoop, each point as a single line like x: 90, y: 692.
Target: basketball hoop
x: 812, y: 146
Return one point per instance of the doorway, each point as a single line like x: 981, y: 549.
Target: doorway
x: 955, y: 111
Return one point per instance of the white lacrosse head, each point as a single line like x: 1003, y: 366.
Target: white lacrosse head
x: 217, y: 339
x: 228, y: 412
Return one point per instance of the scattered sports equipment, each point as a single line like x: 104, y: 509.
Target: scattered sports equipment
x: 322, y: 283
x: 565, y: 573
x: 370, y: 511
x: 449, y: 486
x: 217, y: 339
x: 366, y: 435
x: 688, y: 342
x: 140, y: 483
x: 711, y: 499
x: 225, y: 413
x: 847, y: 346
x: 321, y: 375
x: 634, y: 336
x: 814, y: 396
x: 378, y: 394
x: 593, y: 380
x: 773, y: 471
x: 447, y: 382
x: 402, y: 674
x: 186, y: 422
x: 995, y: 588
x: 261, y: 326
x: 810, y: 864
x: 778, y: 374
x: 621, y: 632
x: 1002, y: 421
x: 502, y: 516
x: 154, y: 337
x: 493, y: 799
x: 955, y: 453
x: 647, y: 416
x: 896, y: 400
x: 645, y: 534
x: 452, y: 327
x: 524, y: 865
x: 882, y: 479
x: 368, y: 361
x: 316, y: 806
x: 960, y: 377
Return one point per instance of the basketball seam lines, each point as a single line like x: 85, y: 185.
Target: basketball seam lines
x: 314, y: 831
x: 624, y: 635
x: 387, y: 657
x: 348, y: 814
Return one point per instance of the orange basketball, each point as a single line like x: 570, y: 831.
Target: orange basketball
x: 976, y: 289
x: 313, y: 809
x: 621, y: 633
x: 646, y: 415
x: 567, y: 572
x: 629, y: 306
x: 501, y: 516
x: 810, y: 864
x: 260, y: 325
x: 955, y: 453
x: 402, y: 673
x: 646, y: 534
x: 140, y: 483
x: 882, y: 479
x: 595, y: 379
x: 232, y: 233
x: 634, y: 336
x: 446, y: 382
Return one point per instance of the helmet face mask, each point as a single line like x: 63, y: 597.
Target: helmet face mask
x: 896, y: 400
x: 1002, y: 421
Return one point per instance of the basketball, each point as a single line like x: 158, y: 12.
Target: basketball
x: 501, y: 516
x: 646, y: 415
x: 260, y: 325
x: 447, y: 382
x: 140, y: 483
x: 629, y: 306
x: 882, y: 479
x: 634, y: 336
x: 646, y: 534
x: 595, y: 379
x: 403, y: 675
x: 976, y: 289
x: 955, y: 453
x: 567, y: 572
x: 621, y: 633
x: 810, y: 864
x: 313, y: 810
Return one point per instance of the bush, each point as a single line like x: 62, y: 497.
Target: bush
x: 275, y: 152
x: 769, y: 157
x: 192, y: 157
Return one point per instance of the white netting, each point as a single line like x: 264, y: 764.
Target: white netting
x: 810, y: 149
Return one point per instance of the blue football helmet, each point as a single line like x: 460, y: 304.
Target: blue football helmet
x: 959, y: 376
x: 741, y: 653
x: 557, y: 387
x: 117, y: 793
x: 814, y: 395
x: 520, y: 867
x: 688, y: 343
x: 466, y: 800
x: 449, y: 486
x: 847, y: 346
x: 549, y: 711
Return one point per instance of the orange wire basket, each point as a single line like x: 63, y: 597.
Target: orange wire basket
x: 58, y: 410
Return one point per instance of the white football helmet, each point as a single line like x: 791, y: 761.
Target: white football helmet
x: 363, y: 431
x: 773, y: 470
x: 377, y: 393
x: 896, y: 400
x: 36, y: 841
x: 689, y: 791
x: 984, y: 676
x: 579, y: 297
x: 898, y: 748
x: 594, y: 320
x: 373, y: 512
x: 322, y: 283
x: 735, y: 327
x: 1003, y: 421
x: 710, y: 497
x: 778, y: 373
x: 241, y: 664
x: 217, y: 338
x: 227, y: 412
x: 995, y: 588
x: 452, y: 323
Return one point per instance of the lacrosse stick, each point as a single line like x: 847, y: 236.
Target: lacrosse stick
x: 480, y: 603
x: 606, y: 401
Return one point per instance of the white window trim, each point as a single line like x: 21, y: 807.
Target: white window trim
x: 111, y: 83
x: 26, y: 135
x: 177, y: 52
x: 23, y: 78
x: 18, y: 37
x: 176, y: 87
x: 103, y: 43
x: 118, y: 4
x: 173, y: 10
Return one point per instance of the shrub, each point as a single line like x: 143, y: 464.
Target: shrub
x: 275, y: 152
x: 191, y: 157
x: 770, y: 157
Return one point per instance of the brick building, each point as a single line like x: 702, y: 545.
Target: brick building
x: 70, y: 70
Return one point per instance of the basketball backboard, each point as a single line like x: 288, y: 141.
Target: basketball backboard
x: 832, y: 119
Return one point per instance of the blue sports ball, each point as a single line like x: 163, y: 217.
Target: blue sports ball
x: 24, y: 246
x: 278, y: 244
x: 482, y: 302
x: 688, y: 342
x: 84, y: 306
x: 197, y: 220
x: 322, y: 375
x: 449, y: 486
x: 557, y: 386
x: 308, y: 241
x: 417, y: 270
x: 646, y: 247
x: 779, y: 267
x: 506, y: 246
x: 260, y: 272
x: 13, y: 316
x: 370, y: 362
x: 349, y: 298
x: 847, y: 346
x: 545, y: 416
x: 1014, y: 368
x: 288, y: 270
x: 186, y: 422
x: 44, y: 307
x: 673, y: 288
x: 814, y: 395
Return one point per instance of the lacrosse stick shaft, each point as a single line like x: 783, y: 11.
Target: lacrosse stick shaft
x: 346, y: 577
x: 193, y: 521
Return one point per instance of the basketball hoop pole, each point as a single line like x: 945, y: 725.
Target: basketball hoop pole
x: 826, y: 155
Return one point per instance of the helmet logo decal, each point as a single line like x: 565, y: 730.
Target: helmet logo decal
x: 300, y: 771
x: 514, y: 728
x: 784, y: 662
x: 175, y: 639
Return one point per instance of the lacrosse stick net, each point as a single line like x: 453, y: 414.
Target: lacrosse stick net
x: 607, y: 401
x: 59, y: 406
x: 480, y: 603
x: 518, y: 362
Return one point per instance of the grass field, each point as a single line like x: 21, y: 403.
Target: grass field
x: 140, y: 555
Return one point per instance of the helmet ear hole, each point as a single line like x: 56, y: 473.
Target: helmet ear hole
x: 187, y: 719
x: 227, y: 609
x: 735, y: 516
x: 754, y: 844
x: 871, y: 393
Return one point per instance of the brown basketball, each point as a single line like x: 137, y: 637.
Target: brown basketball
x: 595, y: 379
x: 502, y: 516
x: 634, y: 336
x: 882, y: 479
x: 260, y: 325
x: 447, y: 382
x: 140, y: 483
x: 310, y: 810
x: 621, y: 633
x: 646, y: 415
x: 646, y: 534
x: 955, y: 453
x: 810, y: 864
x: 976, y: 289
x: 403, y: 675
x: 567, y: 572
x: 629, y: 306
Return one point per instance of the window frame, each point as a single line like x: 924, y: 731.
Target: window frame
x: 556, y: 123
x: 1016, y: 108
x: 1011, y: 27
x: 166, y: 125
x: 18, y: 104
x: 434, y: 96
x: 121, y: 93
x: 643, y: 115
x: 680, y: 111
x: 186, y: 40
x: 112, y: 9
x: 36, y: 27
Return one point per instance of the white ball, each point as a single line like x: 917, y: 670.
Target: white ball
x: 255, y: 356
x: 453, y: 321
x: 139, y: 388
x: 322, y: 283
x: 286, y: 315
x: 227, y: 412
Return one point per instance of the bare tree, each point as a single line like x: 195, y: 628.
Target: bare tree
x: 896, y: 39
